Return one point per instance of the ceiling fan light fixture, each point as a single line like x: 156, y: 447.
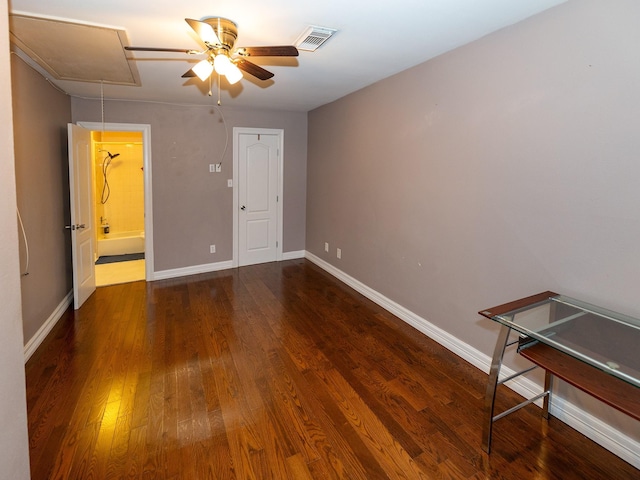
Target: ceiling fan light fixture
x: 221, y: 64
x: 203, y: 69
x: 233, y: 74
x: 219, y: 36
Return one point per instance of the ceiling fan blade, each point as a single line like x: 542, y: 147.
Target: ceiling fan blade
x: 155, y: 49
x: 189, y: 74
x: 274, y: 51
x: 204, y: 31
x: 253, y: 69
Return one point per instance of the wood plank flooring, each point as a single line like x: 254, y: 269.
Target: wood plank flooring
x: 274, y: 371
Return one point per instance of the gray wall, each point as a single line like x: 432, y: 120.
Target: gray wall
x: 192, y: 208
x: 14, y: 446
x: 501, y: 169
x: 40, y: 116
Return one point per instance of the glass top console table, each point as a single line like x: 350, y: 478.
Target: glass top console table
x: 594, y: 349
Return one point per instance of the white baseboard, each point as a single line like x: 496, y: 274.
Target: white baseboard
x: 293, y: 255
x: 600, y: 432
x: 182, y: 272
x: 35, y: 341
x: 213, y: 267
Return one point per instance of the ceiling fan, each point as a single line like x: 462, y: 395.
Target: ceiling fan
x: 219, y: 36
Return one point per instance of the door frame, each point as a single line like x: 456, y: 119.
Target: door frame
x: 237, y: 131
x: 149, y: 270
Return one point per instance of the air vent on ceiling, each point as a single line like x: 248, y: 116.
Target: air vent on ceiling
x: 313, y: 37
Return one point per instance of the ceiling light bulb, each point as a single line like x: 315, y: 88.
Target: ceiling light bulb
x: 221, y: 63
x: 234, y: 74
x: 203, y: 69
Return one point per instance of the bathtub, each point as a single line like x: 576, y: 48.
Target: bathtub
x: 120, y: 243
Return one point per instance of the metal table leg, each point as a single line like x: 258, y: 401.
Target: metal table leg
x: 494, y: 381
x: 548, y: 385
x: 490, y: 397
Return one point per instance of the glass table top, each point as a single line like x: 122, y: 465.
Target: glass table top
x: 607, y: 340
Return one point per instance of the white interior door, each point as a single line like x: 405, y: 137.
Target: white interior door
x: 80, y: 187
x: 258, y: 196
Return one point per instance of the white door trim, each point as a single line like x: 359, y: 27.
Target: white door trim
x: 237, y: 131
x: 148, y: 198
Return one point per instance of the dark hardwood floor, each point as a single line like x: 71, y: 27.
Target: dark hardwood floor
x: 275, y: 371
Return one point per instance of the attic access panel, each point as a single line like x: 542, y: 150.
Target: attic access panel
x: 74, y: 51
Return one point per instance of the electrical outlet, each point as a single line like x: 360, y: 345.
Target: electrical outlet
x: 230, y: 183
x: 218, y: 167
x: 212, y: 249
x: 326, y: 246
x: 212, y: 168
x: 339, y: 253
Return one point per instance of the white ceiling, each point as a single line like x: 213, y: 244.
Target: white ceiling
x: 375, y: 39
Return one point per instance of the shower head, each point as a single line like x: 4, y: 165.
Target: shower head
x: 109, y: 154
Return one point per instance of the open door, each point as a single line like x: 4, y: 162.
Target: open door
x: 80, y: 187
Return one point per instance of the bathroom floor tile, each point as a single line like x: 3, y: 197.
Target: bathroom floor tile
x: 120, y: 272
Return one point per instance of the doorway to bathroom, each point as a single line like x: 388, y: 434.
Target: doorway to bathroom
x: 121, y: 179
x: 118, y: 206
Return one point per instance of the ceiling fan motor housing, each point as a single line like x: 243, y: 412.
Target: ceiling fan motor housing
x: 225, y: 29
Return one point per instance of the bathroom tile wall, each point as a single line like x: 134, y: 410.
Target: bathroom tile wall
x: 124, y: 206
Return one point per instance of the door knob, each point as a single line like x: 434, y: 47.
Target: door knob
x: 243, y: 207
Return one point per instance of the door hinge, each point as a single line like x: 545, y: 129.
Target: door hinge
x: 276, y: 244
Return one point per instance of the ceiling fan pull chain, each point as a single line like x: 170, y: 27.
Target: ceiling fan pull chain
x: 102, y: 103
x: 219, y: 102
